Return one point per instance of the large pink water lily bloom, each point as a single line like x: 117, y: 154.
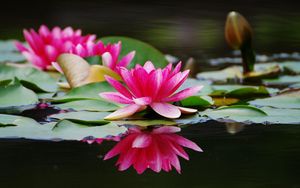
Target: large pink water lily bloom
x: 157, y: 149
x: 147, y: 86
x: 46, y: 45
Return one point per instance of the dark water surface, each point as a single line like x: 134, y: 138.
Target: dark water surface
x: 258, y: 156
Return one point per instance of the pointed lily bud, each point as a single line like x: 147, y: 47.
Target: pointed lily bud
x: 238, y: 31
x: 238, y: 34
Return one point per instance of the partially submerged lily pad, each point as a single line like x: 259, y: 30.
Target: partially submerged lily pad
x: 88, y: 105
x: 9, y: 53
x: 67, y: 130
x: 22, y: 127
x: 15, y: 98
x: 197, y: 101
x: 89, y: 91
x: 249, y: 114
x: 285, y: 100
x: 83, y: 117
x: 30, y: 77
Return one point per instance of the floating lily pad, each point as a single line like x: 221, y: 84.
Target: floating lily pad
x: 146, y: 122
x: 68, y: 130
x: 197, y: 101
x: 222, y: 76
x: 250, y: 114
x: 144, y: 51
x: 235, y: 113
x: 83, y: 117
x: 89, y: 91
x: 291, y: 66
x: 283, y: 80
x: 15, y: 98
x: 22, y: 127
x: 29, y: 77
x: 286, y: 100
x: 235, y: 74
x: 242, y: 91
x: 88, y: 105
x: 9, y: 53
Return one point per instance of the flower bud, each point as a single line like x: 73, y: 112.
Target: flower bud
x: 238, y: 31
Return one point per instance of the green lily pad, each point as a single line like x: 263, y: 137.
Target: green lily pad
x: 197, y: 101
x: 29, y: 77
x: 250, y: 114
x: 283, y: 80
x: 89, y: 91
x: 89, y: 105
x: 291, y: 66
x: 9, y: 53
x: 144, y: 51
x: 68, y: 130
x: 22, y: 127
x: 242, y: 91
x: 15, y: 98
x: 234, y: 113
x: 146, y: 122
x: 83, y: 117
x: 222, y: 76
x: 286, y: 100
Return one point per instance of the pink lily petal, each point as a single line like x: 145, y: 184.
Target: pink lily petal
x: 107, y: 60
x: 148, y: 66
x: 177, y: 68
x: 187, y: 110
x: 124, y: 144
x: 183, y: 94
x: 115, y: 97
x: 51, y: 52
x: 142, y: 101
x: 142, y: 141
x: 166, y: 129
x: 123, y: 112
x: 127, y: 77
x: 166, y: 110
x: 126, y: 59
x: 57, y: 67
x: 186, y: 143
x: 20, y: 46
x: 118, y: 86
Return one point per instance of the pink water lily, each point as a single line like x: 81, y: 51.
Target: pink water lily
x: 46, y: 45
x: 147, y: 86
x: 157, y: 150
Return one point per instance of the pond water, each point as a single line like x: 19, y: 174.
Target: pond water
x: 234, y: 155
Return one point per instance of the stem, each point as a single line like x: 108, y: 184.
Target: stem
x: 248, y: 57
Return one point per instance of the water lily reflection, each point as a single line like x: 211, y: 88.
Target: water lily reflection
x: 157, y: 149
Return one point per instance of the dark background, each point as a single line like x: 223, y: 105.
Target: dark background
x: 182, y: 28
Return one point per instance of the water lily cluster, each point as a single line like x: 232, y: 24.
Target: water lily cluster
x: 137, y: 89
x: 143, y: 86
x: 46, y: 45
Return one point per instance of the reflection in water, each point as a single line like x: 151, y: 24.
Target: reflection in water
x: 234, y: 127
x: 157, y: 149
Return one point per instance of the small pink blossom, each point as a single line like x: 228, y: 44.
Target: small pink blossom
x: 157, y: 149
x: 147, y: 86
